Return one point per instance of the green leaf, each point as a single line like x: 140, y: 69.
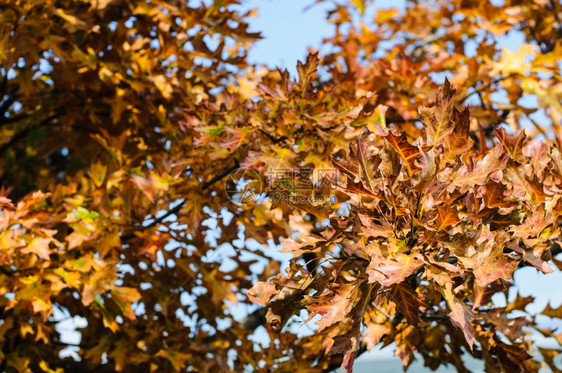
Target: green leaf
x: 81, y: 213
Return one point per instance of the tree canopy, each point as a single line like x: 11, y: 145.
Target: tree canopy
x: 150, y: 175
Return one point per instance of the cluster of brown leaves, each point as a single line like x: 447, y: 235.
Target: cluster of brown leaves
x: 119, y: 122
x: 434, y: 228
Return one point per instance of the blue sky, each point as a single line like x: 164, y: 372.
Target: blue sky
x: 288, y: 30
x: 291, y: 27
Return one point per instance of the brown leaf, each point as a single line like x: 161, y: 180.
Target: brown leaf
x: 370, y: 229
x: 407, y: 152
x: 468, y: 176
x: 261, y: 292
x: 458, y: 142
x: 437, y: 119
x: 391, y: 270
x: 336, y: 304
x: 447, y: 217
x: 124, y: 297
x: 461, y: 316
x: 492, y: 264
x: 407, y: 302
x: 533, y: 225
x: 39, y: 246
x: 512, y: 144
x: 519, y: 303
x: 549, y: 354
x: 237, y: 137
x: 529, y: 256
x: 552, y: 312
x: 494, y: 195
x: 307, y: 70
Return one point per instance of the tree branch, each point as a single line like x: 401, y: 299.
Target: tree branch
x: 15, y: 118
x: 204, y: 186
x: 20, y: 135
x: 179, y: 206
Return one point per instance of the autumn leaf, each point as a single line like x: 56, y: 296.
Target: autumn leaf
x: 407, y: 152
x: 98, y: 283
x: 299, y: 246
x: 40, y: 247
x: 194, y: 212
x: 493, y: 264
x: 307, y: 70
x: 286, y: 301
x: 176, y: 358
x: 76, y: 22
x: 512, y: 144
x: 533, y: 225
x: 365, y: 166
x: 370, y: 229
x: 124, y: 297
x: 98, y: 173
x: 237, y: 137
x: 549, y: 354
x: 119, y: 354
x: 376, y: 328
x: 495, y: 195
x: 446, y: 218
x: 153, y: 185
x: 392, y: 270
x: 335, y: 305
x: 407, y: 302
x: 552, y: 312
x: 437, y: 119
x: 71, y: 278
x: 459, y: 141
x: 358, y: 170
x: 477, y: 174
x: 360, y: 4
x: 519, y: 303
x: 461, y: 316
x: 482, y: 295
x: 530, y: 257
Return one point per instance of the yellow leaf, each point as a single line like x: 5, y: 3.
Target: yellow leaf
x: 123, y: 297
x: 163, y: 86
x: 40, y: 247
x: 73, y: 20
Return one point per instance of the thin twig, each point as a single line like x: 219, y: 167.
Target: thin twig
x: 178, y: 208
x: 20, y: 135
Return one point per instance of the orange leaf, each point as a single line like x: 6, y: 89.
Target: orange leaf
x: 446, y: 218
x: 437, y: 119
x: 460, y: 314
x: 407, y: 152
x: 123, y: 297
x: 392, y: 270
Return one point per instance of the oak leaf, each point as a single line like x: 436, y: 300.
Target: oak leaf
x: 437, y: 119
x: 461, y: 315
